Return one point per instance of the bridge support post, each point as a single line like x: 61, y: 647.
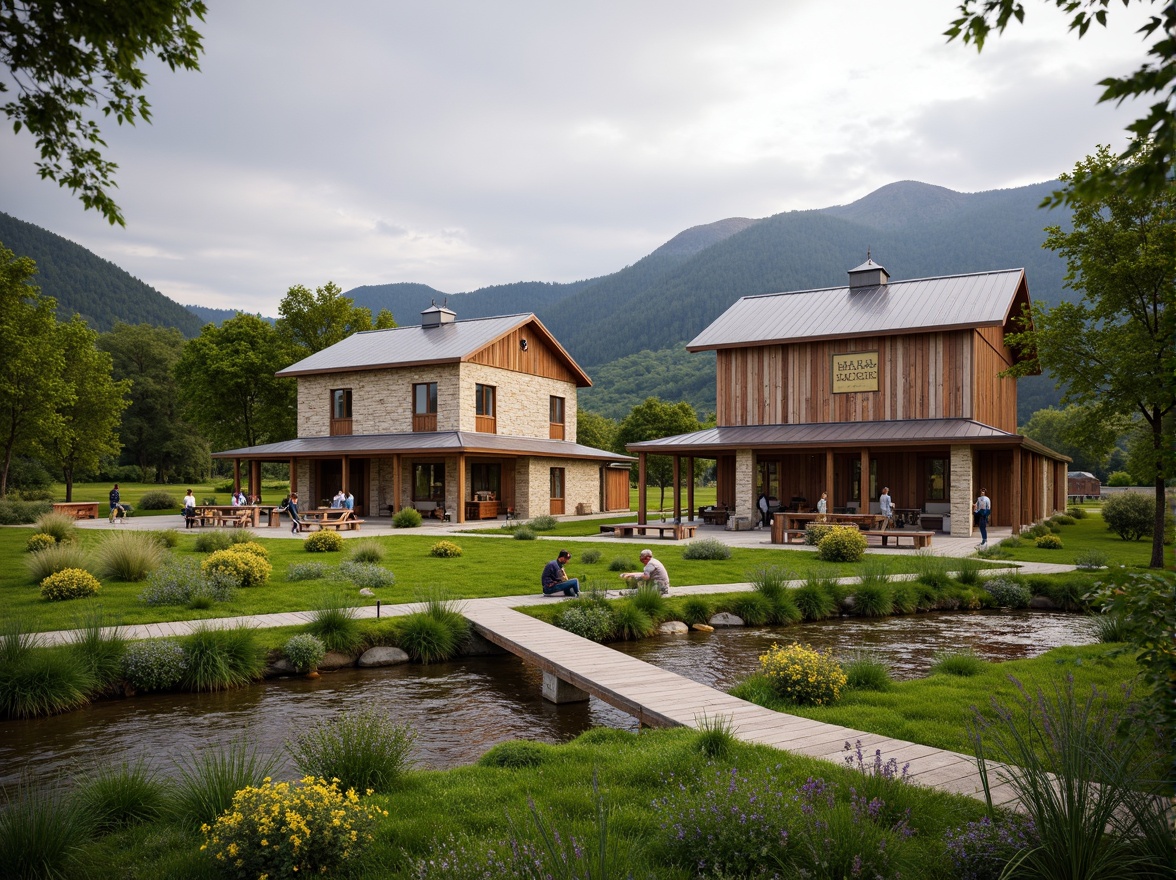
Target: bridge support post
x: 556, y: 690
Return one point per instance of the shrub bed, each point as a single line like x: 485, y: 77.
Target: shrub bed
x: 803, y: 675
x: 243, y: 569
x: 154, y: 665
x: 842, y: 544
x: 69, y: 583
x: 324, y: 542
x: 445, y: 550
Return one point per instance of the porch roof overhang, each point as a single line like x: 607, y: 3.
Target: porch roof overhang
x: 840, y: 435
x: 420, y: 443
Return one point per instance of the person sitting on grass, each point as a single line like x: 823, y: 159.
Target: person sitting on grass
x: 556, y: 580
x: 654, y: 573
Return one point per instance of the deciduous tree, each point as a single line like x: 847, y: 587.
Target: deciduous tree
x: 310, y: 322
x: 91, y: 407
x: 1149, y: 160
x: 31, y: 387
x: 595, y: 430
x: 1112, y: 350
x: 1079, y: 433
x: 67, y: 58
x: 652, y: 420
x: 227, y: 383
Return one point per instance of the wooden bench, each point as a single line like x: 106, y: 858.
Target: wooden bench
x: 673, y: 531
x: 77, y: 509
x: 330, y: 519
x: 919, y: 540
x: 715, y: 517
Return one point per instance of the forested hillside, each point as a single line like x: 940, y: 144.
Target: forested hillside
x: 94, y: 288
x: 217, y: 316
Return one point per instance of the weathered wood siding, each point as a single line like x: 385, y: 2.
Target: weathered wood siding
x: 539, y: 359
x: 921, y: 376
x: 995, y: 397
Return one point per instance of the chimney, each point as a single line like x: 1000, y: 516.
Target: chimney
x: 868, y: 274
x: 435, y: 316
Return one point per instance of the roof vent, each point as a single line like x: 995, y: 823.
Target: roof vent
x: 436, y: 315
x: 868, y: 274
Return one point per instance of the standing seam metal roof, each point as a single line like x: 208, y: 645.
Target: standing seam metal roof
x: 983, y: 298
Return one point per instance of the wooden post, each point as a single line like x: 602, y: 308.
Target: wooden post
x: 1016, y: 493
x: 236, y: 475
x: 828, y: 479
x: 396, y: 487
x: 641, y: 507
x: 690, y: 486
x: 864, y: 488
x: 293, y: 475
x: 254, y: 478
x: 346, y: 478
x: 460, y: 515
x: 677, y: 488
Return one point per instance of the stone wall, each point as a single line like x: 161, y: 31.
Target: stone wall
x: 523, y: 401
x: 961, y: 491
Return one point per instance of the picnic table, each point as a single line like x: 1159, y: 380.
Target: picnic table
x: 785, y: 524
x: 226, y: 515
x: 77, y: 509
x: 674, y: 531
x: 336, y: 518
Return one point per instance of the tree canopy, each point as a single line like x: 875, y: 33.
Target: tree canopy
x: 310, y: 322
x: 1147, y: 164
x: 652, y: 420
x: 1113, y: 350
x: 67, y: 59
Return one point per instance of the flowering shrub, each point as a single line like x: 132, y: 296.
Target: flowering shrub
x: 813, y: 533
x: 154, y: 665
x: 181, y: 582
x: 306, y: 571
x: 1007, y: 593
x: 1049, y: 542
x: 250, y: 547
x: 589, y: 620
x: 39, y: 541
x: 803, y: 675
x: 445, y: 549
x: 69, y: 583
x: 704, y: 548
x: 842, y: 544
x: 284, y: 830
x: 324, y: 542
x: 982, y: 850
x: 367, y: 574
x: 305, y: 652
x: 243, y: 569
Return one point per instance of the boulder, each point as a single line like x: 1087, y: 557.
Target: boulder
x: 673, y: 627
x: 366, y: 592
x: 335, y: 660
x: 1043, y: 603
x: 281, y: 666
x: 382, y: 656
x: 726, y: 618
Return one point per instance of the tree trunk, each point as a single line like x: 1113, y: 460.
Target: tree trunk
x: 1157, y: 557
x: 67, y: 473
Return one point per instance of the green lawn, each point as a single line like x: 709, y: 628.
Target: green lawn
x: 1090, y: 533
x: 132, y: 494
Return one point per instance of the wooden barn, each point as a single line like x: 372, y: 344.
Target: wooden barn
x: 1081, y: 485
x: 848, y: 390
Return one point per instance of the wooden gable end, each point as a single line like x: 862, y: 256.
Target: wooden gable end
x: 538, y: 357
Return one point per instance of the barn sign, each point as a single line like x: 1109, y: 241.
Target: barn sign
x: 855, y: 371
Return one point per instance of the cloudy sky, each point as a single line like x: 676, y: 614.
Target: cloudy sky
x: 461, y: 144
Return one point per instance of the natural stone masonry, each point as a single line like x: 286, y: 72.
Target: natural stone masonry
x: 961, y: 491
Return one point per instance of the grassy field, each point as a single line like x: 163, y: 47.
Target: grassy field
x: 1091, y: 533
x: 132, y: 494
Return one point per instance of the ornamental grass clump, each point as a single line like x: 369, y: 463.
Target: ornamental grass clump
x: 543, y: 523
x: 408, y: 518
x: 305, y: 652
x: 434, y: 634
x: 240, y: 567
x: 932, y: 570
x: 282, y: 830
x: 181, y: 582
x: 589, y: 620
x: 55, y: 558
x: 706, y: 548
x: 842, y: 544
x: 962, y: 663
x: 129, y: 556
x: 122, y: 795
x: 368, y: 550
x: 815, y: 599
x: 696, y: 609
x: 873, y: 600
x: 324, y: 542
x: 209, y: 780
x: 754, y: 609
x: 154, y: 665
x: 590, y: 557
x: 307, y: 571
x: 445, y: 550
x: 866, y: 670
x: 210, y: 542
x: 69, y: 583
x: 220, y: 659
x: 361, y: 748
x: 621, y: 564
x: 803, y: 675
x: 41, y: 834
x: 98, y: 647
x: 39, y: 541
x: 649, y: 599
x: 366, y: 575
x: 631, y: 623
x: 43, y: 681
x: 1091, y: 560
x: 524, y: 533
x: 334, y: 622
x: 62, y: 527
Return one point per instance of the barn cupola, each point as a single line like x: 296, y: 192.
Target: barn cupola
x: 868, y: 274
x: 435, y: 316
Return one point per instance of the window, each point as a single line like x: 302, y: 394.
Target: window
x: 856, y: 492
x: 424, y: 399
x: 486, y: 478
x: 556, y: 417
x: 341, y: 403
x: 484, y: 405
x: 557, y: 483
x: 428, y: 482
x: 936, y: 478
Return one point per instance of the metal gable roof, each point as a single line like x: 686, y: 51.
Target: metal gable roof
x: 402, y: 346
x: 983, y: 298
x: 420, y: 443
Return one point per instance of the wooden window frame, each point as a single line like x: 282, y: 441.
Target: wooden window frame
x: 340, y: 423
x: 556, y: 414
x: 486, y: 408
x: 424, y: 421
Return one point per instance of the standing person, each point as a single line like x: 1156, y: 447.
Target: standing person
x: 823, y: 505
x: 654, y: 573
x: 982, y: 510
x: 886, y: 507
x: 292, y: 509
x: 349, y: 501
x: 762, y: 504
x: 189, y: 509
x: 117, y: 508
x: 556, y: 580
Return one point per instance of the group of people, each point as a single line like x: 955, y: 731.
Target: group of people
x: 343, y: 501
x: 555, y: 580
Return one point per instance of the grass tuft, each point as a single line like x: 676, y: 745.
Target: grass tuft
x: 209, y: 780
x: 123, y: 795
x: 716, y: 736
x: 363, y: 749
x: 334, y: 622
x: 41, y: 835
x: 962, y: 663
x: 219, y: 659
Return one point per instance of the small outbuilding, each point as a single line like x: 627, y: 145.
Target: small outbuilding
x: 1081, y: 485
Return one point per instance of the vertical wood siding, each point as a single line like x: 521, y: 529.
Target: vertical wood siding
x: 538, y: 360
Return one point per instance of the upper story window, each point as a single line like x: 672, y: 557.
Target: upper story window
x: 556, y: 419
x: 485, y: 409
x: 424, y: 406
x: 340, y: 411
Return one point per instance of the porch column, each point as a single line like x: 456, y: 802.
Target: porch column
x: 1015, y: 501
x: 396, y: 486
x: 346, y: 478
x: 236, y: 475
x: 961, y: 491
x: 690, y: 486
x: 293, y: 475
x: 641, y: 511
x: 828, y: 478
x: 460, y: 513
x: 745, y: 484
x: 864, y: 488
x: 677, y: 489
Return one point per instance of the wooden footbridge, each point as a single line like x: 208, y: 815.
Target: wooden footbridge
x: 575, y: 668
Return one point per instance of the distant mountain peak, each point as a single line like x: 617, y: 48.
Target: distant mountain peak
x: 901, y: 204
x: 690, y: 241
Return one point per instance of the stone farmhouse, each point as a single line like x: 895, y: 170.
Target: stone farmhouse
x: 462, y: 420
x: 847, y: 390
